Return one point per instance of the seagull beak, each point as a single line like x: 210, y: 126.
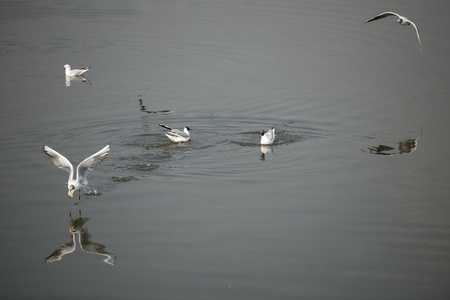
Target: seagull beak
x: 70, y: 193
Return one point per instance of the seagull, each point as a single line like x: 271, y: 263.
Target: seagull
x: 268, y: 137
x: 401, y: 20
x: 176, y: 135
x: 78, y: 179
x: 75, y: 72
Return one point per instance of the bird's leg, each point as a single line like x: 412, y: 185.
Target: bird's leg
x: 79, y: 195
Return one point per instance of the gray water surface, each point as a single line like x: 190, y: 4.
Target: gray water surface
x: 351, y: 202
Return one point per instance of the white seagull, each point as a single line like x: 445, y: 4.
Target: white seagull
x: 78, y: 179
x: 75, y: 72
x: 176, y: 135
x: 401, y: 20
x: 268, y: 137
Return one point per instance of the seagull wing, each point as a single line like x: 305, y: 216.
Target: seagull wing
x: 165, y: 126
x: 62, y: 250
x: 383, y: 15
x: 90, y: 163
x: 417, y: 31
x: 270, y: 134
x: 59, y: 160
x: 83, y: 70
x: 176, y: 133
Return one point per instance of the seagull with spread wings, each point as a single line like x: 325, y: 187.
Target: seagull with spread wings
x: 401, y: 20
x: 77, y: 179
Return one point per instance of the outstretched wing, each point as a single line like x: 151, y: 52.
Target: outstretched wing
x: 417, y: 32
x: 62, y: 250
x: 90, y: 163
x: 382, y: 15
x: 59, y: 160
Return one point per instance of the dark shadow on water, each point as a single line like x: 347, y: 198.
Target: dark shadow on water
x: 143, y: 108
x: 153, y: 150
x: 77, y: 229
x: 402, y: 147
x: 123, y: 178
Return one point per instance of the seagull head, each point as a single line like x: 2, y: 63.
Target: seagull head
x: 66, y: 66
x: 261, y: 132
x: 71, y: 190
x: 187, y: 129
x: 400, y: 21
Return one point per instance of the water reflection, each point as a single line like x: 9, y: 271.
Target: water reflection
x: 264, y: 150
x: 76, y: 227
x: 402, y: 147
x: 77, y: 78
x: 144, y: 109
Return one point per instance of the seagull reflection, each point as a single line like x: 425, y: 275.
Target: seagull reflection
x: 84, y: 239
x: 264, y: 150
x: 403, y: 147
x: 144, y: 109
x: 82, y: 78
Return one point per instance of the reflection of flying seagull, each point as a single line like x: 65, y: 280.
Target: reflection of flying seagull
x: 62, y: 250
x: 407, y: 146
x: 404, y: 147
x: 78, y: 179
x: 76, y: 227
x: 268, y: 137
x: 401, y: 20
x: 176, y: 135
x: 75, y: 72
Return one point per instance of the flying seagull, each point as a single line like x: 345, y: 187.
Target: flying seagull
x: 176, y: 135
x: 401, y: 20
x: 78, y: 179
x: 75, y: 72
x: 268, y: 137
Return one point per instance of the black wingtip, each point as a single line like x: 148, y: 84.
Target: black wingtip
x: 165, y: 126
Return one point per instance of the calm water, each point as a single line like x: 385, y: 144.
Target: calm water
x: 351, y: 202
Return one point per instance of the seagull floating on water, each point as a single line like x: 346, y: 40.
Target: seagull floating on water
x: 401, y: 20
x: 268, y: 137
x: 75, y: 72
x: 78, y: 179
x: 176, y: 135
